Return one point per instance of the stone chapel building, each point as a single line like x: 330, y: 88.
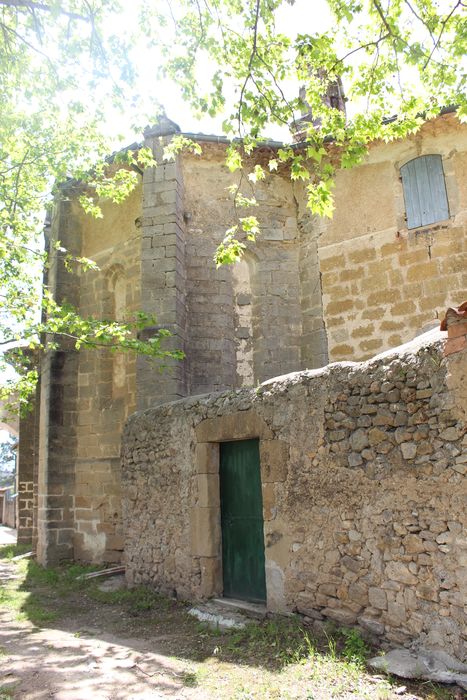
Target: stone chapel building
x: 307, y: 293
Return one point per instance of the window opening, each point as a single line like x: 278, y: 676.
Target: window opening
x: 424, y: 189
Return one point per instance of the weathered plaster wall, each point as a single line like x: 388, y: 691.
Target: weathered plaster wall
x: 382, y: 283
x: 313, y: 340
x: 364, y: 496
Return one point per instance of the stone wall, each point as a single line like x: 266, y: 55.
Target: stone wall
x: 239, y: 316
x: 163, y: 269
x: 26, y: 470
x: 8, y: 516
x: 57, y: 411
x: 106, y: 382
x: 85, y: 397
x: 364, y: 494
x: 361, y: 281
x: 314, y: 341
x: 382, y: 283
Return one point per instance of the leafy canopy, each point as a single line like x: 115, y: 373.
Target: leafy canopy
x: 60, y: 73
x: 398, y: 57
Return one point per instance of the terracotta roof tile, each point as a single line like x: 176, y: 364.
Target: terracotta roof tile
x: 454, y: 314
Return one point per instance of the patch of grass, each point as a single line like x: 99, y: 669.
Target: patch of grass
x: 8, y: 551
x: 38, y: 576
x: 276, y: 659
x: 189, y: 679
x: 433, y: 691
x: 61, y: 579
x: 34, y: 611
x: 243, y: 694
x: 277, y: 641
x: 25, y: 605
x: 11, y: 598
x: 280, y: 659
x: 134, y: 600
x: 355, y: 648
x: 42, y: 593
x: 30, y: 596
x: 7, y: 691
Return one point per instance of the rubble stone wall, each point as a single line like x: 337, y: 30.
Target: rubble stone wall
x: 364, y: 492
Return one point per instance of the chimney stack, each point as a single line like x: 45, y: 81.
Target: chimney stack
x: 333, y: 97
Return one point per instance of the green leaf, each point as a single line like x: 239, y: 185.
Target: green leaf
x: 233, y: 159
x: 257, y: 174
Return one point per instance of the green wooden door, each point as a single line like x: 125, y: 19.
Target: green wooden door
x: 242, y: 521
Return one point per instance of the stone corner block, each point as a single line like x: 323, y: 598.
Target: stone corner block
x: 207, y: 489
x: 242, y: 425
x: 269, y: 501
x: 211, y: 577
x: 205, y: 532
x: 207, y: 458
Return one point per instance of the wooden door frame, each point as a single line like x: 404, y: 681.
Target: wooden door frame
x: 205, y: 516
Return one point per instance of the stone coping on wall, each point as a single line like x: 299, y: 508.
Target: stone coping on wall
x: 433, y: 337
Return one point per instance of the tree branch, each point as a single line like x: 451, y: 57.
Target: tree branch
x: 279, y: 89
x: 14, y: 344
x: 379, y: 10
x: 30, y: 5
x: 271, y: 106
x: 373, y: 69
x: 250, y: 64
x: 397, y: 36
x: 5, y: 28
x: 359, y: 48
x: 443, y: 27
x: 420, y: 19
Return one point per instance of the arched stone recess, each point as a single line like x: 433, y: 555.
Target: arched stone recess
x: 205, y: 515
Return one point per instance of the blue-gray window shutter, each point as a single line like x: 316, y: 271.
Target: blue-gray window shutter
x: 424, y: 191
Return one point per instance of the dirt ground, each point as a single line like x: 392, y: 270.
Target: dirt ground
x: 69, y: 641
x: 80, y: 656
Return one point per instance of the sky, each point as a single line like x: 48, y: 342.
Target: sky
x: 303, y: 15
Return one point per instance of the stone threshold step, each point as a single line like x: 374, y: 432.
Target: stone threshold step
x: 257, y: 610
x: 222, y: 613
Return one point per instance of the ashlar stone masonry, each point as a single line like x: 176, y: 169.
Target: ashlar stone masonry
x: 364, y: 493
x: 308, y: 290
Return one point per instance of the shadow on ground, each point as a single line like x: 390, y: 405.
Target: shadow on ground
x: 67, y: 638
